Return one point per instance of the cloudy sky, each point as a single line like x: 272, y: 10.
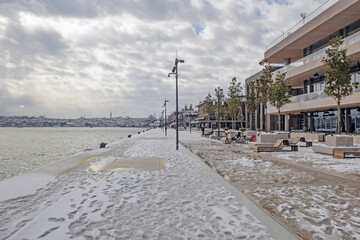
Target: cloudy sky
x: 72, y: 58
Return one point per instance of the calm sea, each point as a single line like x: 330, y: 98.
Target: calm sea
x: 23, y: 149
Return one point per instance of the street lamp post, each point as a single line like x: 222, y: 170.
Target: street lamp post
x: 190, y: 121
x: 218, y: 111
x: 165, y: 117
x: 175, y: 71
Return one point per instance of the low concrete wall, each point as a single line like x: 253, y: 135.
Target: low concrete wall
x: 328, y: 150
x: 249, y: 133
x: 313, y: 137
x: 272, y: 137
x: 357, y: 140
x: 339, y: 140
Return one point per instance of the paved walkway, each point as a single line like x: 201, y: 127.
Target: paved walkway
x: 76, y: 199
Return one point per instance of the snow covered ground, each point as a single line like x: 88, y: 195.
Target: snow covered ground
x: 181, y: 202
x: 315, y: 195
x: 308, y: 156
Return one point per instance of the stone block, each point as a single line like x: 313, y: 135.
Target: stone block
x: 272, y: 137
x: 357, y: 140
x: 249, y: 133
x: 329, y: 150
x: 313, y: 137
x: 339, y: 140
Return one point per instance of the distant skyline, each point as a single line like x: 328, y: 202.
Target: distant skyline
x: 73, y: 58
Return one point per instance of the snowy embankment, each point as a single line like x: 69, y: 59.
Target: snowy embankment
x: 181, y: 202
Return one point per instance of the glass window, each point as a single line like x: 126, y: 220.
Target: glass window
x: 357, y: 126
x: 333, y: 124
x: 328, y: 124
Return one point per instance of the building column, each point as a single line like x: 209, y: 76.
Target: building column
x: 347, y: 120
x: 287, y: 122
x: 305, y: 127
x: 267, y: 122
x: 312, y: 126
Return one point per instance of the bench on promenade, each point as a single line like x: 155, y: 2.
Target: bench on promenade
x: 308, y: 143
x: 293, y: 143
x: 346, y: 153
x: 276, y: 147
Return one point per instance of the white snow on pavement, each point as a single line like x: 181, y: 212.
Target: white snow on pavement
x: 181, y: 202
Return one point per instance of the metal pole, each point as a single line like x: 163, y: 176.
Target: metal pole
x: 218, y: 117
x: 177, y: 108
x: 190, y: 121
x: 165, y: 119
x: 175, y: 71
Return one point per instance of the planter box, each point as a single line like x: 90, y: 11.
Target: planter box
x: 272, y: 137
x: 313, y: 137
x: 357, y: 140
x: 339, y: 140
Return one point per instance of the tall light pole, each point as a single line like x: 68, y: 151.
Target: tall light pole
x: 175, y: 71
x: 190, y: 118
x: 165, y: 117
x: 218, y: 111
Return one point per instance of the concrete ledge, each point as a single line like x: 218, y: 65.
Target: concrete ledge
x: 272, y: 137
x: 357, y: 140
x: 329, y: 150
x: 249, y: 133
x: 314, y: 137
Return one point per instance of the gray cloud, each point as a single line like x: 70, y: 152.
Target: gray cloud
x: 90, y: 57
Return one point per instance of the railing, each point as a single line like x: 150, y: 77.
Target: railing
x: 312, y: 96
x: 308, y: 18
x: 318, y: 54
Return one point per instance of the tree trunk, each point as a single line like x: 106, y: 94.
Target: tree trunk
x: 339, y: 118
x: 279, y: 122
x: 264, y: 118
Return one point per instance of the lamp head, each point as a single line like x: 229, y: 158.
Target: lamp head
x: 179, y: 61
x: 169, y: 75
x: 174, y: 69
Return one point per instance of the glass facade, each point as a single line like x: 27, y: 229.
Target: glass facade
x: 326, y: 121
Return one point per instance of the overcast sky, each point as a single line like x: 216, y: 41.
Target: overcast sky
x: 73, y: 58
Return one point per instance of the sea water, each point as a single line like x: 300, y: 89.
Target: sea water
x: 23, y: 149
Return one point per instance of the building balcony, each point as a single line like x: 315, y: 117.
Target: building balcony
x: 305, y: 67
x: 301, y: 23
x: 325, y: 20
x: 316, y: 101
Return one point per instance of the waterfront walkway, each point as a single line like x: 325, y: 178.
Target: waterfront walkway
x: 167, y: 194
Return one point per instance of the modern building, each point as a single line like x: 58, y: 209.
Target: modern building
x: 301, y: 50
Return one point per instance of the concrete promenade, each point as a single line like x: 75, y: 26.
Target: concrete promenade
x: 137, y: 188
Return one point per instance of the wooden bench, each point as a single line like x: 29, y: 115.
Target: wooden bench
x: 295, y: 141
x: 346, y: 153
x: 308, y: 143
x: 274, y: 148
